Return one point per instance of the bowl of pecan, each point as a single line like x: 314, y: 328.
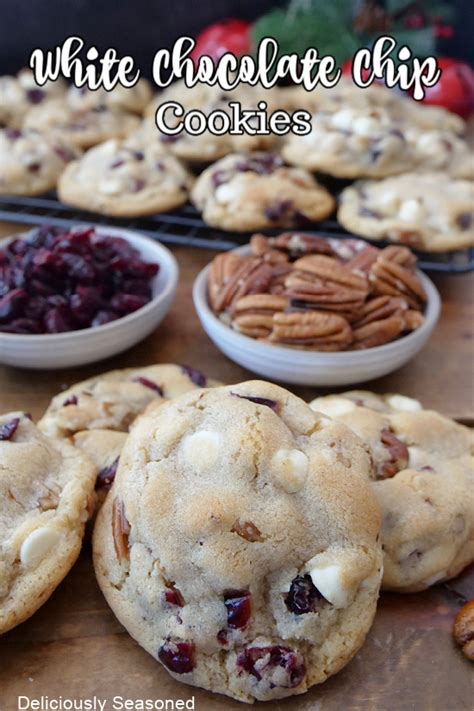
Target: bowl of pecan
x: 306, y: 310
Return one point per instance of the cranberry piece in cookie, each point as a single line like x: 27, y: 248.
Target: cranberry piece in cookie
x: 178, y: 657
x: 278, y: 665
x: 303, y: 596
x: 238, y: 608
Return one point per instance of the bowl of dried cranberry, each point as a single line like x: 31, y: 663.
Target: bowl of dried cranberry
x: 71, y: 297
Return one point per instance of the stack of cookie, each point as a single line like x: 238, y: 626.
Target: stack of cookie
x: 243, y: 535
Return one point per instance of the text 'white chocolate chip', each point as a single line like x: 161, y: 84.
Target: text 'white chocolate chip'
x: 290, y: 467
x: 37, y: 545
x: 201, y: 449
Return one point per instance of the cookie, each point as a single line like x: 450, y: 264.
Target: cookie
x: 428, y: 211
x: 82, y: 128
x: 113, y: 400
x: 346, y: 94
x: 238, y: 544
x: 125, y: 180
x: 46, y: 492
x: 423, y: 478
x: 353, y: 142
x: 442, y: 151
x: 103, y: 447
x: 134, y: 99
x: 18, y: 94
x: 256, y: 191
x: 30, y: 161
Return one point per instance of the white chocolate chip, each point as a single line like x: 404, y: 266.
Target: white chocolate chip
x: 411, y: 210
x: 343, y: 119
x: 37, y: 545
x: 403, y: 403
x: 290, y: 468
x: 110, y: 186
x: 328, y: 581
x: 201, y: 449
x: 333, y: 405
x: 364, y: 126
x: 225, y: 193
x: 389, y: 201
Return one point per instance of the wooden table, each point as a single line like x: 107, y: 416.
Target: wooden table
x: 74, y: 646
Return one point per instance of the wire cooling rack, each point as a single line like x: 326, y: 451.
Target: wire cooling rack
x: 185, y: 227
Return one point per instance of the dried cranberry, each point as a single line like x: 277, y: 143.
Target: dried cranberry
x: 303, y: 596
x: 237, y: 603
x: 103, y: 317
x: 117, y: 163
x: 63, y: 153
x: 263, y: 164
x: 165, y: 138
x: 464, y: 220
x: 70, y: 401
x: 127, y: 303
x: 8, y: 429
x: 11, y: 305
x: 178, y: 657
x: 35, y: 96
x: 268, y: 662
x: 279, y: 210
x: 149, y: 384
x: 106, y: 475
x: 34, y: 167
x: 173, y: 596
x: 272, y: 404
x: 56, y: 320
x: 398, y: 452
x: 195, y: 376
x: 13, y: 133
x: 219, y: 177
x: 22, y: 326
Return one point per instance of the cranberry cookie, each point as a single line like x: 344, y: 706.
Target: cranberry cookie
x: 113, y: 400
x: 428, y: 211
x: 423, y: 478
x: 354, y: 142
x: 125, y: 179
x: 46, y: 494
x: 238, y: 544
x: 254, y: 191
x: 30, y: 161
x: 18, y: 94
x: 82, y: 128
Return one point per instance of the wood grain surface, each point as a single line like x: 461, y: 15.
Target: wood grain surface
x: 74, y: 647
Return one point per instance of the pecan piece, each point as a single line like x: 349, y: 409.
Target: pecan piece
x: 398, y: 452
x: 253, y: 314
x: 463, y: 629
x: 329, y: 269
x: 296, y: 244
x: 380, y: 308
x: 363, y: 260
x: 413, y: 320
x: 393, y: 274
x: 247, y: 530
x: 376, y: 333
x: 322, y: 331
x: 120, y: 530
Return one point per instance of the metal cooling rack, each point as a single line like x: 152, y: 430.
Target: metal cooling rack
x: 185, y: 227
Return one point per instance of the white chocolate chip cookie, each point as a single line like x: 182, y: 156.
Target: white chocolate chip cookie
x: 46, y: 494
x: 351, y: 143
x: 18, y: 94
x: 428, y: 211
x: 423, y: 477
x: 134, y: 99
x: 125, y: 180
x: 82, y: 128
x: 31, y: 162
x: 113, y: 400
x: 255, y: 191
x: 239, y: 542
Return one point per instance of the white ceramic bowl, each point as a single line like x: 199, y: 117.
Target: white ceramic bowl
x: 299, y: 367
x: 64, y: 350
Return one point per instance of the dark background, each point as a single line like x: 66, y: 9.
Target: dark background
x: 141, y: 27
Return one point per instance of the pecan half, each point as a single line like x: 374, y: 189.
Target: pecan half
x: 393, y: 274
x: 253, y: 314
x: 376, y: 333
x: 380, y: 308
x: 120, y: 530
x: 312, y: 329
x: 463, y: 629
x: 297, y: 244
x: 328, y: 269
